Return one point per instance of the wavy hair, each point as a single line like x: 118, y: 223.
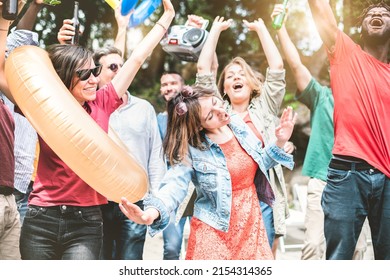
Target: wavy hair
x: 185, y: 129
x: 254, y: 79
x: 97, y: 55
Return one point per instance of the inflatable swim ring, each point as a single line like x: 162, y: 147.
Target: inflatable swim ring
x: 68, y: 129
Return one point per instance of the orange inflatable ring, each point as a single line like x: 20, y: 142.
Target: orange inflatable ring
x: 67, y: 128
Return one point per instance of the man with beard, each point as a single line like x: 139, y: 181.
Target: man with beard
x: 358, y: 184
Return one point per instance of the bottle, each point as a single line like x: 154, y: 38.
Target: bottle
x: 76, y: 24
x: 10, y: 9
x: 278, y: 20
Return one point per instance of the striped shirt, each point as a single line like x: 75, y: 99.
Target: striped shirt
x: 25, y: 135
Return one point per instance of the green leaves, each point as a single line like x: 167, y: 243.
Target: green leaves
x: 52, y: 2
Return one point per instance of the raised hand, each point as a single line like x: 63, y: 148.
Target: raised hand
x: 195, y: 21
x: 278, y: 9
x: 136, y: 214
x: 285, y: 128
x: 254, y: 25
x: 221, y: 24
x: 122, y: 21
x: 168, y: 7
x: 66, y: 32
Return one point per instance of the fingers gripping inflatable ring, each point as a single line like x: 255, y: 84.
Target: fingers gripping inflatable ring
x: 67, y: 128
x: 143, y: 11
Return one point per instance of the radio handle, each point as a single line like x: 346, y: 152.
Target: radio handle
x: 204, y: 24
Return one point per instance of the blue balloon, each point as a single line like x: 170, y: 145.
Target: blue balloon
x: 143, y: 11
x: 127, y: 6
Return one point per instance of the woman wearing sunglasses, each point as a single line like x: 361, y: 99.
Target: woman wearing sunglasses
x: 220, y: 155
x: 64, y: 219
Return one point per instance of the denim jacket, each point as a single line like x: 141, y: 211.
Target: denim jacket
x: 208, y: 171
x: 263, y: 111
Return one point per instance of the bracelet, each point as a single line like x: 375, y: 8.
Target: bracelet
x: 163, y: 27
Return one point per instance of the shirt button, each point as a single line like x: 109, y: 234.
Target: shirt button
x: 371, y: 171
x: 63, y: 207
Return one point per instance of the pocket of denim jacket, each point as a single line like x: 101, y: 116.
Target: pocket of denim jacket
x: 206, y: 174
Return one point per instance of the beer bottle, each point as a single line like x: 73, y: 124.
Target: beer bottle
x: 76, y: 24
x: 10, y: 9
x: 278, y: 20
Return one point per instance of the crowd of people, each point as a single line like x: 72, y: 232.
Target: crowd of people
x: 215, y: 156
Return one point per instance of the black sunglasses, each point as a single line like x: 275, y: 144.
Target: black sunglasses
x: 114, y: 67
x: 84, y: 74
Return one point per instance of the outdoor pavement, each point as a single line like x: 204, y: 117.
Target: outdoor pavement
x: 290, y: 251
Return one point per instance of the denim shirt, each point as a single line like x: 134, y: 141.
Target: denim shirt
x: 208, y: 171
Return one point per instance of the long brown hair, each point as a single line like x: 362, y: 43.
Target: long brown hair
x: 185, y: 129
x: 253, y: 79
x: 67, y: 59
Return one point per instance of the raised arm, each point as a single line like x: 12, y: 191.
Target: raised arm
x: 27, y: 23
x: 301, y: 73
x: 207, y: 56
x: 122, y: 22
x: 271, y: 52
x: 127, y: 73
x: 325, y: 21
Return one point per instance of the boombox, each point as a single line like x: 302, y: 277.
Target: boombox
x: 185, y: 42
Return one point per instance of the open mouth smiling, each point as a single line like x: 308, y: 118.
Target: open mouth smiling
x: 376, y: 22
x: 237, y: 86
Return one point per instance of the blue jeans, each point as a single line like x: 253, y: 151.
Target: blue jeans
x: 62, y: 233
x: 268, y: 219
x: 122, y: 238
x: 22, y: 201
x: 173, y: 238
x: 348, y: 198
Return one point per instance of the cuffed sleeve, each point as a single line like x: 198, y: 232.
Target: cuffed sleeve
x: 207, y: 81
x: 21, y: 37
x: 280, y: 156
x: 151, y: 201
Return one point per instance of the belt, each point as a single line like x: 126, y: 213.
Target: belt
x: 63, y: 209
x: 346, y: 165
x: 6, y: 190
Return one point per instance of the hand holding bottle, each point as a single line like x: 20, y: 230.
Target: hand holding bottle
x: 279, y: 19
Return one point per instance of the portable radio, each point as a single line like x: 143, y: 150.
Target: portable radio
x: 185, y: 42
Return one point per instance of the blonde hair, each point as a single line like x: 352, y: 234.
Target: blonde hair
x: 253, y: 78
